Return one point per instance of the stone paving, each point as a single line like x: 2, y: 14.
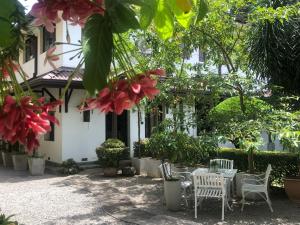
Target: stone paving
x: 91, y: 199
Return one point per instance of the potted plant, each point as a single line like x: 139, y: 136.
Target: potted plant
x: 7, y: 156
x: 109, y: 154
x: 172, y: 190
x: 36, y: 163
x: 19, y: 158
x: 141, y: 155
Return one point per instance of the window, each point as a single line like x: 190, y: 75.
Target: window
x: 86, y: 116
x: 30, y: 51
x: 50, y: 135
x: 48, y: 39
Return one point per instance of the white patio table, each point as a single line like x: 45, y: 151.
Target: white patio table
x: 226, y: 173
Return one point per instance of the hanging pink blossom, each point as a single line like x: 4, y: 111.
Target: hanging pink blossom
x: 125, y: 93
x: 75, y: 11
x: 25, y: 121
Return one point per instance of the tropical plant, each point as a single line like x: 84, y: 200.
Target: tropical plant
x: 274, y: 48
x: 6, y: 220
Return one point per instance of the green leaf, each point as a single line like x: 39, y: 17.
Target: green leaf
x: 6, y: 38
x: 184, y: 19
x: 164, y: 20
x: 202, y: 10
x: 97, y: 49
x: 7, y: 8
x: 122, y: 16
x: 148, y: 11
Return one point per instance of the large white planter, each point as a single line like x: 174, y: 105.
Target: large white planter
x: 20, y: 162
x: 140, y: 165
x: 172, y: 192
x: 152, y: 167
x: 36, y: 166
x: 7, y: 160
x: 238, y: 179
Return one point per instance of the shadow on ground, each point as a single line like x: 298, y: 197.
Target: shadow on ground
x: 138, y: 200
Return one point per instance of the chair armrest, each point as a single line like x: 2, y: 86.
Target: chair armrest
x: 185, y: 175
x: 255, y: 175
x: 250, y: 181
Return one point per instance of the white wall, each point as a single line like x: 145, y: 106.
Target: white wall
x: 80, y: 139
x: 53, y: 149
x: 133, y: 128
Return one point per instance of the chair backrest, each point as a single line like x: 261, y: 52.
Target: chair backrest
x: 207, y: 181
x: 165, y: 170
x: 222, y: 163
x: 267, y: 176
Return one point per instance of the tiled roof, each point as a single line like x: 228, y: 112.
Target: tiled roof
x: 57, y: 78
x: 62, y: 73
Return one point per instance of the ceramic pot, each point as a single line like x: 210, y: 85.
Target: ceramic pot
x: 172, y: 192
x: 20, y: 162
x: 292, y: 188
x: 110, y: 172
x: 7, y: 159
x: 36, y: 166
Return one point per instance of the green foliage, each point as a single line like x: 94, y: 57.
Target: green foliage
x: 230, y: 109
x: 12, y: 22
x: 110, y: 152
x: 274, y: 47
x: 70, y: 167
x: 140, y: 148
x: 6, y: 220
x: 97, y: 49
x: 283, y: 164
x: 180, y: 148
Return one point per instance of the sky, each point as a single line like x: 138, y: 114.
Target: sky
x: 28, y: 4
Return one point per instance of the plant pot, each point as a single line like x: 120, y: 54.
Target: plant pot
x: 140, y: 165
x: 110, y: 171
x: 36, y: 166
x: 292, y: 188
x: 172, y: 192
x: 238, y: 179
x: 152, y: 167
x: 20, y: 162
x: 7, y: 159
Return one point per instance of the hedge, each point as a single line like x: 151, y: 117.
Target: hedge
x: 283, y: 164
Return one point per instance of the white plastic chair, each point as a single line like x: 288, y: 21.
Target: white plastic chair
x: 222, y: 163
x: 209, y: 185
x: 258, y: 185
x: 185, y: 177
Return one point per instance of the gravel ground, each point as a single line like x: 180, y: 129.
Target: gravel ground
x: 91, y: 199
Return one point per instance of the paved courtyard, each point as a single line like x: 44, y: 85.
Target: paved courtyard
x: 90, y: 199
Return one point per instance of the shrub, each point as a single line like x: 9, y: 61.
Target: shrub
x: 6, y: 220
x: 283, y: 164
x: 70, y: 167
x: 144, y: 152
x: 111, y: 151
x: 180, y: 148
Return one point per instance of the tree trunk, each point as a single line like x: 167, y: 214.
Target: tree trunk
x: 250, y: 161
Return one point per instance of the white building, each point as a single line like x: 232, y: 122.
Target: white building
x: 79, y: 133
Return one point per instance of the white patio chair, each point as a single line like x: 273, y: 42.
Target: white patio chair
x: 185, y: 177
x: 209, y: 185
x: 258, y: 185
x: 222, y: 163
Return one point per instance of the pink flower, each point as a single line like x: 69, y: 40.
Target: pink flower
x: 50, y: 57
